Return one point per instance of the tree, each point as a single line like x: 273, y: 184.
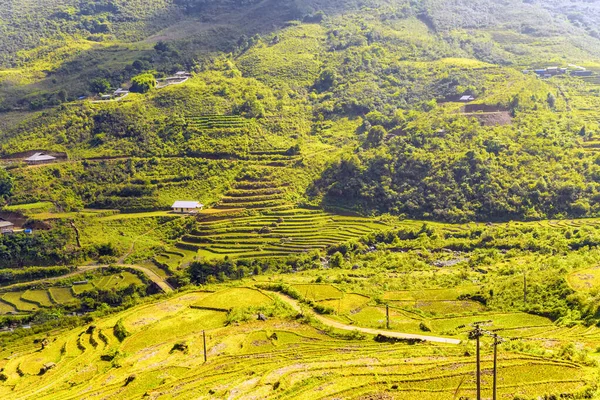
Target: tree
x: 142, y: 83
x: 253, y: 108
x: 326, y: 80
x: 163, y: 47
x: 100, y: 85
x: 6, y: 184
x: 551, y: 100
x: 376, y: 135
x: 336, y: 260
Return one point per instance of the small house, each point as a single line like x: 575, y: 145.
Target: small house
x: 582, y: 73
x: 40, y: 158
x: 187, y: 207
x: 467, y: 98
x: 6, y: 227
x: 120, y: 92
x: 182, y: 74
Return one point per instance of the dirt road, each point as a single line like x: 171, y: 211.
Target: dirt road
x: 338, y: 325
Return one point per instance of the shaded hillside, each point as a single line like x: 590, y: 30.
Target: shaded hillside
x: 362, y: 103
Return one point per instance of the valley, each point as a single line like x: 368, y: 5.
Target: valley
x: 299, y: 199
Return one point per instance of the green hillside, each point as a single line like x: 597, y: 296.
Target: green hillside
x: 378, y: 178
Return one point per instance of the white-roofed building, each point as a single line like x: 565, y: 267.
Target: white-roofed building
x: 187, y: 207
x: 467, y: 98
x: 40, y: 158
x: 6, y: 227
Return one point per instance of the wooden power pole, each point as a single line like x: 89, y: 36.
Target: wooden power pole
x: 387, y: 316
x: 476, y: 334
x: 495, y: 366
x: 204, y: 340
x: 524, y: 288
x: 478, y: 366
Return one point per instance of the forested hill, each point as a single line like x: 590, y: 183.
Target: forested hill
x: 352, y: 104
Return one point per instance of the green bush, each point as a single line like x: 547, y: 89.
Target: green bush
x: 120, y: 331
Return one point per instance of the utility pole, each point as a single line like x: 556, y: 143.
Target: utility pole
x: 204, y: 340
x: 476, y: 334
x: 478, y: 366
x: 387, y: 316
x: 495, y: 366
x: 524, y: 288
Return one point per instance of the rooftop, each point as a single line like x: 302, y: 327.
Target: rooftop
x: 187, y: 204
x: 40, y: 157
x: 6, y: 224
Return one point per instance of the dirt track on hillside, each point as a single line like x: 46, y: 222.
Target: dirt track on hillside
x: 338, y: 325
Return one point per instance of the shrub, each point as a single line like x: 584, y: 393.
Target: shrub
x: 143, y: 83
x: 120, y: 331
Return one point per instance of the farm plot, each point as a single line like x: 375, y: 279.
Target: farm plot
x: 82, y: 287
x: 203, y: 122
x: 275, y: 233
x: 6, y: 308
x: 318, y: 292
x: 445, y: 294
x: 15, y: 300
x: 444, y: 307
x: 237, y: 297
x: 585, y: 279
x: 39, y: 297
x: 247, y: 360
x: 495, y: 321
x: 435, y: 301
x: 349, y: 303
x: 117, y: 281
x: 61, y: 295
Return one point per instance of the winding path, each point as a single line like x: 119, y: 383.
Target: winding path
x: 153, y: 276
x: 338, y: 325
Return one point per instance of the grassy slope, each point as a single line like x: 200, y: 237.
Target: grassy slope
x: 239, y: 352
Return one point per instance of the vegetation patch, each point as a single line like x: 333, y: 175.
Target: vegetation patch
x: 236, y: 297
x: 585, y: 279
x: 318, y: 292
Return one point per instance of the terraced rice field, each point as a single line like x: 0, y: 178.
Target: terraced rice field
x: 20, y: 304
x: 262, y: 192
x: 318, y: 292
x: 225, y: 300
x: 349, y: 303
x: 117, y: 281
x: 61, y: 295
x: 275, y: 233
x: 276, y: 359
x: 39, y: 297
x: 585, y: 279
x: 25, y: 301
x: 203, y: 122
